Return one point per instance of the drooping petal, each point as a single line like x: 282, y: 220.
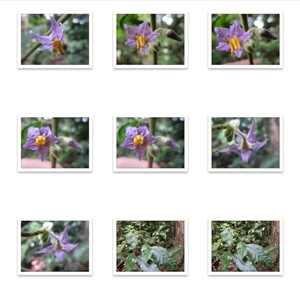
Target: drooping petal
x: 258, y: 145
x: 57, y: 30
x: 64, y: 236
x: 59, y: 254
x: 69, y: 247
x: 245, y: 155
x: 42, y: 39
x: 251, y: 135
x: 48, y: 249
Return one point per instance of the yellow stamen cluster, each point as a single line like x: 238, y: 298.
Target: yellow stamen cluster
x: 138, y: 140
x: 40, y: 141
x: 234, y: 44
x: 58, y: 46
x: 141, y: 41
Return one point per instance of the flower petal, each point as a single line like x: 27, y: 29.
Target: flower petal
x: 59, y: 254
x: 64, y: 237
x: 57, y: 30
x: 69, y: 247
x: 42, y: 39
x: 223, y: 47
x: 48, y: 249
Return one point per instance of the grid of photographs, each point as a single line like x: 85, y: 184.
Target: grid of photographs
x: 153, y: 144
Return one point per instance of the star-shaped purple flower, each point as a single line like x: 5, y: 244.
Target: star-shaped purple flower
x: 40, y: 140
x: 246, y: 144
x: 138, y: 139
x: 54, y: 40
x: 60, y: 245
x: 140, y: 37
x: 232, y: 39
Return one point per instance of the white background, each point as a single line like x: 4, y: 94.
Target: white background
x: 104, y: 195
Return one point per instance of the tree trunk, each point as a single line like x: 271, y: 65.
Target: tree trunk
x: 179, y: 233
x: 273, y: 127
x: 275, y: 233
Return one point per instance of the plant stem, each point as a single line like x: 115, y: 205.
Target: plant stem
x: 55, y: 132
x: 62, y: 19
x: 153, y: 25
x: 152, y: 123
x: 244, y: 19
x: 30, y: 234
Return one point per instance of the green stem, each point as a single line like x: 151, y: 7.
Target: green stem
x: 62, y: 19
x: 219, y: 127
x: 152, y: 123
x: 55, y: 122
x: 30, y: 234
x: 153, y: 25
x: 244, y: 19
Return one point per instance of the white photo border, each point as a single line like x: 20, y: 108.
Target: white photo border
x: 55, y: 170
x: 184, y: 66
x: 89, y: 66
x: 89, y: 273
x: 151, y: 170
x: 211, y: 66
x: 186, y: 248
x: 280, y: 273
x: 246, y: 170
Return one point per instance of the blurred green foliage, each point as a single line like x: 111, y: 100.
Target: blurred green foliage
x: 76, y: 40
x: 167, y: 127
x: 76, y: 128
x: 265, y: 157
x: 171, y: 51
x: 266, y: 50
x: 249, y: 232
x: 74, y: 261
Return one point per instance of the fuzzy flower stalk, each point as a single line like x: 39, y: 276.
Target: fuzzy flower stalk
x: 232, y: 39
x: 247, y: 144
x: 54, y: 40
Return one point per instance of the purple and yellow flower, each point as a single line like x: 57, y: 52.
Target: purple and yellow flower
x: 54, y: 40
x: 246, y: 143
x: 40, y: 140
x: 138, y: 139
x: 232, y: 39
x: 60, y: 245
x: 140, y: 37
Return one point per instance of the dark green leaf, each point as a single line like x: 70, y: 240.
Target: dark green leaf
x: 257, y: 254
x: 241, y: 250
x: 146, y: 252
x: 244, y: 266
x: 225, y: 260
x: 131, y: 259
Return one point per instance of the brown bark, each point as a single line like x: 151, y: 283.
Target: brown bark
x: 275, y: 233
x: 273, y: 127
x: 179, y: 233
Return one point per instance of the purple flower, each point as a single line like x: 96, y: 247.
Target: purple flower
x: 60, y: 245
x: 140, y: 37
x: 54, y: 40
x: 39, y: 140
x: 246, y: 144
x: 138, y: 139
x: 232, y: 39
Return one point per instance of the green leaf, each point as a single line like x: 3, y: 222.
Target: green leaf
x: 241, y: 250
x: 225, y: 260
x: 131, y: 259
x: 131, y: 240
x: 162, y: 256
x: 272, y: 251
x: 257, y: 254
x: 146, y: 252
x: 122, y: 131
x: 145, y: 267
x: 227, y: 237
x: 244, y: 266
x: 216, y: 245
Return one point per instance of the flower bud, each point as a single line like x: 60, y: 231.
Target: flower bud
x: 168, y: 142
x: 169, y: 33
x: 70, y: 142
x: 153, y: 151
x: 265, y: 33
x: 55, y: 151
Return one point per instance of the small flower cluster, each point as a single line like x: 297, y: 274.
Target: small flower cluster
x: 138, y: 139
x: 246, y: 144
x: 59, y: 244
x: 42, y: 139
